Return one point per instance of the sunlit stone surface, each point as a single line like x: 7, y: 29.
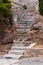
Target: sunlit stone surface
x: 29, y: 18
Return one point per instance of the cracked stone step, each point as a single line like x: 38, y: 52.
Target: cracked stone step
x: 12, y: 56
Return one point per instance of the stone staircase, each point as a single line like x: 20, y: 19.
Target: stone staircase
x: 27, y: 17
x: 17, y: 49
x: 12, y: 58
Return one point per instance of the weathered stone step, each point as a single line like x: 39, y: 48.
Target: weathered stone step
x: 12, y: 56
x: 4, y: 61
x: 18, y: 52
x: 23, y: 30
x: 18, y: 47
x: 18, y: 43
x: 21, y: 48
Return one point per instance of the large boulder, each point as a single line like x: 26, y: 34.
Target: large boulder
x: 6, y: 37
x: 2, y: 35
x: 36, y: 27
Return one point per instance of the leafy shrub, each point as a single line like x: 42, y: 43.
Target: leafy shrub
x: 24, y: 6
x: 41, y: 7
x: 5, y: 6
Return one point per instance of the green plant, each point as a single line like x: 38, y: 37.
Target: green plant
x: 0, y: 1
x: 25, y: 6
x: 41, y: 7
x: 6, y: 1
x: 5, y: 6
x: 5, y: 13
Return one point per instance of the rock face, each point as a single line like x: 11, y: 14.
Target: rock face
x: 2, y: 35
x: 8, y: 38
x: 36, y: 27
x: 5, y: 37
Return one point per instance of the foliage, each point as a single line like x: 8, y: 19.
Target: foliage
x: 41, y: 7
x: 0, y: 1
x: 24, y: 6
x: 6, y: 1
x: 5, y: 6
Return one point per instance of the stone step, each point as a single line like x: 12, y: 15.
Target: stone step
x: 25, y: 23
x: 23, y: 30
x: 8, y: 62
x: 19, y: 54
x: 17, y: 47
x: 12, y: 56
x: 18, y: 43
x: 16, y: 51
x: 24, y: 27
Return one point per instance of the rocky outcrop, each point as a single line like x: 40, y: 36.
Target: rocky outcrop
x: 2, y: 35
x: 32, y: 53
x: 7, y: 33
x: 6, y: 37
x: 38, y: 25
